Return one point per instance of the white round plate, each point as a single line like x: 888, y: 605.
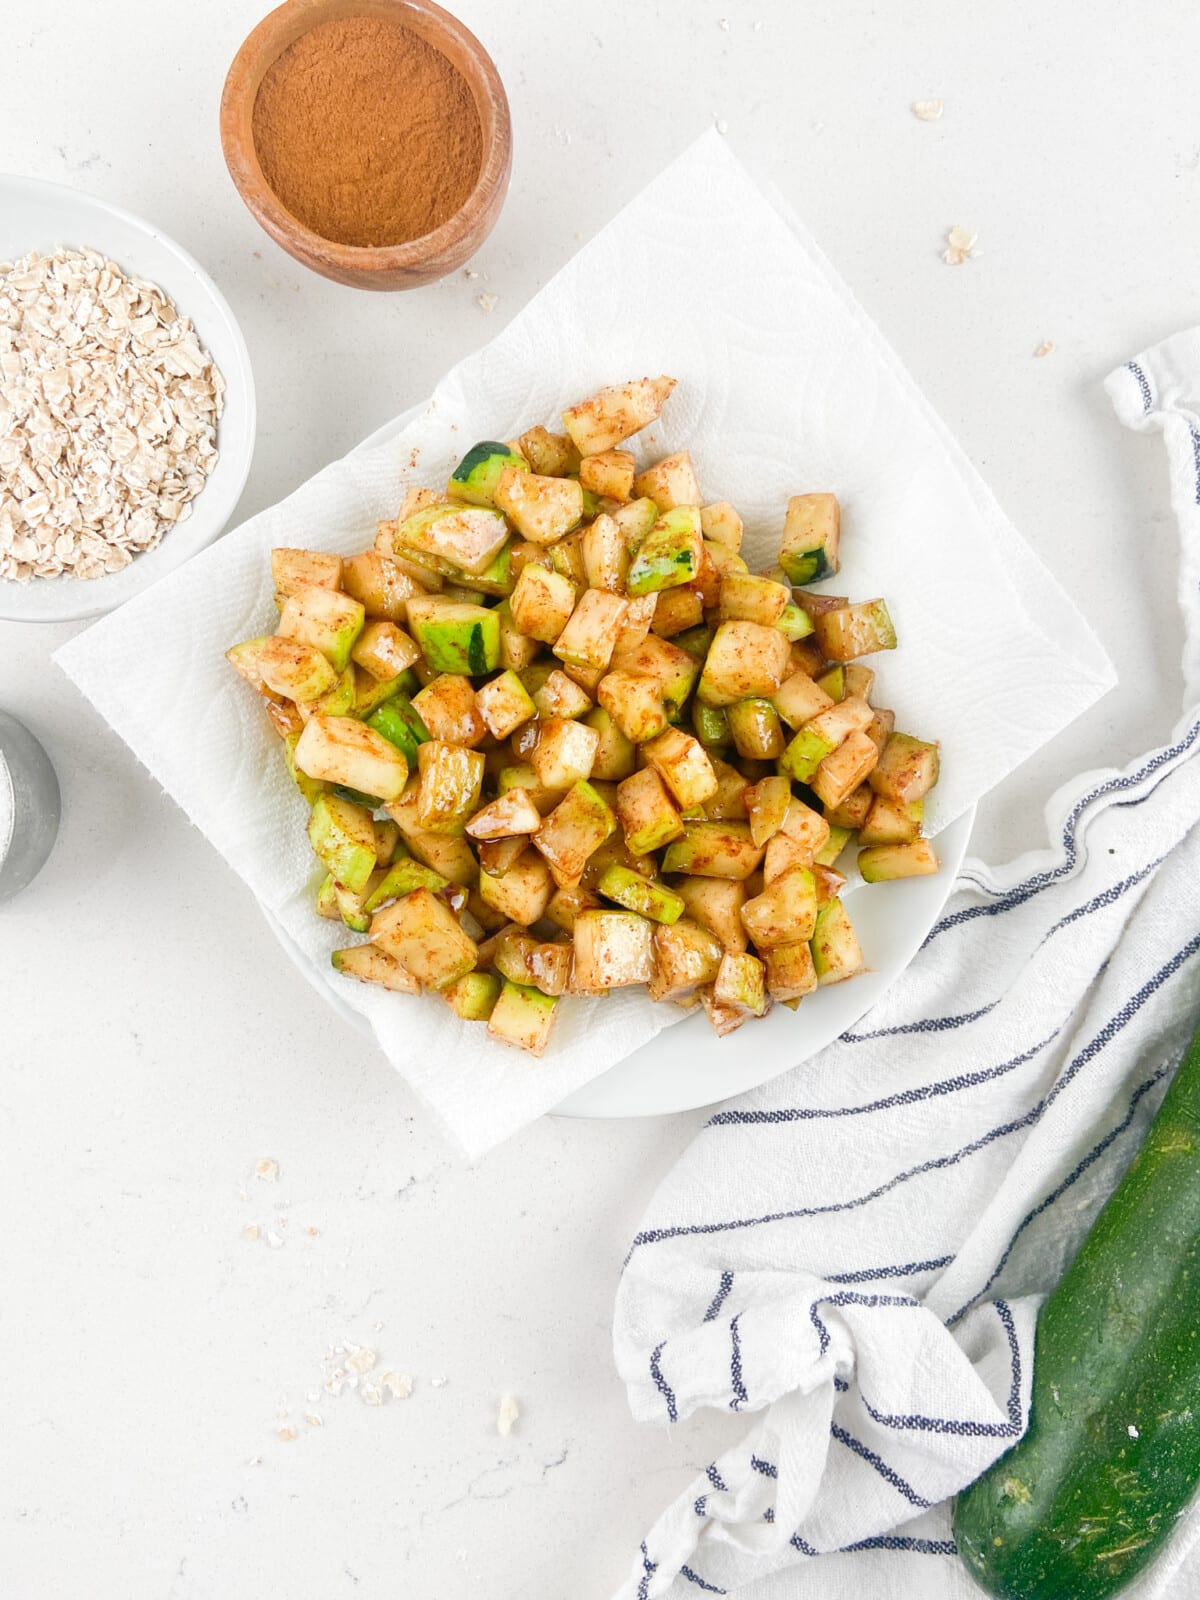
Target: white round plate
x: 42, y: 216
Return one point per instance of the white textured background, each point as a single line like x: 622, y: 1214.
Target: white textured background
x: 154, y: 1042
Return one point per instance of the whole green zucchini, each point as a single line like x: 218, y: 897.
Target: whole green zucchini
x: 1112, y: 1454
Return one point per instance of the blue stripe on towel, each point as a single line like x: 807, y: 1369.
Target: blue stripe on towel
x: 664, y: 1388
x: 735, y: 1368
x: 718, y: 1300
x: 1143, y: 384
x: 888, y: 1474
x: 693, y: 1577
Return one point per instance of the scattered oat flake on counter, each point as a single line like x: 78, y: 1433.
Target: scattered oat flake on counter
x: 267, y: 1169
x: 108, y: 416
x: 960, y: 246
x: 928, y: 110
x: 486, y: 302
x: 437, y: 1383
x: 314, y: 1419
x: 1044, y: 348
x: 398, y: 1384
x: 287, y: 1433
x: 721, y: 125
x: 250, y: 1232
x: 508, y: 1414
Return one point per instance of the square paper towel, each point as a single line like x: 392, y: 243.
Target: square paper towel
x: 784, y: 386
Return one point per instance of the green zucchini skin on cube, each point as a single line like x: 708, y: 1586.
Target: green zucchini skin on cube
x: 1112, y: 1454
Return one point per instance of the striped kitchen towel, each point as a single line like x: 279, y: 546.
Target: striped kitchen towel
x: 853, y: 1256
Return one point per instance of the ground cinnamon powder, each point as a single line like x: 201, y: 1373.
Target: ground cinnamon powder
x: 366, y: 133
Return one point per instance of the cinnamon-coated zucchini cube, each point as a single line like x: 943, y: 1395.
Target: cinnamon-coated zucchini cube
x: 884, y: 862
x: 473, y: 996
x: 498, y: 856
x: 838, y: 721
x: 369, y: 964
x: 799, y: 698
x: 669, y: 554
x: 670, y: 482
x: 829, y: 883
x: 522, y: 958
x: 566, y: 904
x: 841, y: 772
x: 722, y: 525
x: 806, y: 826
x: 455, y: 635
x: 590, y: 633
x: 767, y: 804
x: 524, y: 891
x: 907, y: 769
x: 646, y: 896
x: 605, y: 554
x: 387, y: 841
x: 504, y: 704
x: 684, y: 766
x: 686, y: 955
x: 785, y: 911
x: 750, y: 598
x: 635, y: 519
x: 634, y: 702
x: 716, y: 904
x: 724, y: 1019
x: 836, y: 952
x: 551, y: 455
x: 851, y: 812
x: 613, y: 949
x: 577, y: 826
x: 294, y: 570
x: 712, y: 725
x: 744, y: 660
x: 451, y: 778
x: 648, y: 815
x: 714, y: 850
x: 405, y: 875
x: 677, y: 611
x: 890, y: 821
x: 345, y: 751
x: 462, y: 538
x: 425, y: 937
x: 852, y: 631
x: 416, y: 498
x: 880, y: 728
x: 522, y: 1016
x: 384, y: 650
x: 609, y: 473
x: 560, y: 696
x: 343, y: 840
x: 287, y: 667
x: 244, y: 659
x: 782, y: 855
x: 507, y: 816
x: 794, y: 623
x: 790, y: 971
x: 564, y: 753
x: 541, y: 508
x: 616, y: 756
x: 729, y: 802
x: 448, y: 708
x: 517, y: 651
x: 639, y: 618
x: 336, y: 702
x: 757, y: 732
x: 448, y: 854
x: 811, y: 535
x: 837, y: 841
x: 614, y: 413
x: 740, y: 984
x: 381, y: 587
x: 522, y: 776
x: 673, y: 669
x: 542, y: 603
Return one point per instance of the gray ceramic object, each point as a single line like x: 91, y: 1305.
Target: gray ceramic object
x: 30, y: 806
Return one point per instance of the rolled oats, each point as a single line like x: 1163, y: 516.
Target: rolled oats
x: 108, y: 416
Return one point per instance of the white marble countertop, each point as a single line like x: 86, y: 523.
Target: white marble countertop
x: 155, y: 1043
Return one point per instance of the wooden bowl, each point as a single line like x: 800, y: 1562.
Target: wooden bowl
x: 399, y: 266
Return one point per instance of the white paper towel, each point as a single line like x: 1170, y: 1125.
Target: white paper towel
x: 784, y: 386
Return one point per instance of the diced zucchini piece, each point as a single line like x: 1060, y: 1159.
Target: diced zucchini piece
x: 785, y: 911
x: 648, y: 816
x: 835, y: 948
x: 614, y: 413
x: 841, y: 772
x: 744, y: 660
x: 384, y: 650
x: 669, y: 554
x: 310, y: 788
x: 712, y: 725
x: 907, y: 769
x: 455, y: 637
x: 805, y: 754
x: 853, y: 631
x: 524, y: 777
x: 400, y: 725
x: 714, y: 850
x: 749, y: 598
x: 806, y: 826
x: 566, y: 556
x: 523, y: 893
x: 740, y: 984
x: 343, y: 840
x: 673, y: 669
x: 473, y: 996
x: 566, y: 904
x: 244, y: 659
x: 686, y: 955
x: 370, y: 693
x: 352, y: 903
x: 800, y: 698
x: 476, y: 476
x: 369, y: 964
x: 496, y: 856
x: 287, y: 667
x: 829, y: 882
x: 326, y: 619
x: 634, y: 702
x: 451, y: 778
x: 605, y: 554
x: 880, y: 728
x: 678, y: 611
x: 724, y: 1019
x: 730, y: 798
x: 833, y: 846
x: 615, y: 756
x: 542, y: 603
x: 639, y: 618
x: 415, y: 499
x: 467, y: 539
x: 852, y: 811
x: 522, y: 1016
x: 859, y: 680
x: 387, y: 841
x: 790, y: 971
x: 550, y: 454
x: 682, y: 763
x: 516, y: 650
x: 716, y: 904
x: 671, y: 482
x: 721, y: 524
x: 564, y: 753
x: 756, y: 729
x: 542, y: 509
x: 591, y: 631
x: 613, y: 949
x: 833, y: 681
x: 890, y: 821
x: 327, y: 900
x: 609, y: 473
x: 345, y: 751
x: 577, y: 826
x: 405, y: 875
x: 884, y: 862
x: 811, y: 534
x: 767, y: 804
x: 509, y: 815
x: 425, y: 937
x: 523, y: 959
x: 782, y: 855
x: 448, y: 708
x: 294, y: 570
x: 379, y: 585
x: 335, y: 702
x: 504, y: 705
x: 560, y: 696
x: 794, y: 623
x: 284, y: 716
x: 841, y: 719
x: 647, y: 897
x: 635, y: 521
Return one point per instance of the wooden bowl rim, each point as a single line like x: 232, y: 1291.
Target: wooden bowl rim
x: 246, y: 73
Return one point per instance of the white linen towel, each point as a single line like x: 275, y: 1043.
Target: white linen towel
x: 857, y: 1251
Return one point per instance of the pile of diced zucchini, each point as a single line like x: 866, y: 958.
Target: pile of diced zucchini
x: 557, y: 738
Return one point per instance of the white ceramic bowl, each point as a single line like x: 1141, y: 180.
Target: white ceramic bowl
x: 42, y: 216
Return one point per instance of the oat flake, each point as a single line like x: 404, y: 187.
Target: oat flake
x: 108, y: 416
x: 1044, y: 348
x: 928, y: 110
x: 960, y: 246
